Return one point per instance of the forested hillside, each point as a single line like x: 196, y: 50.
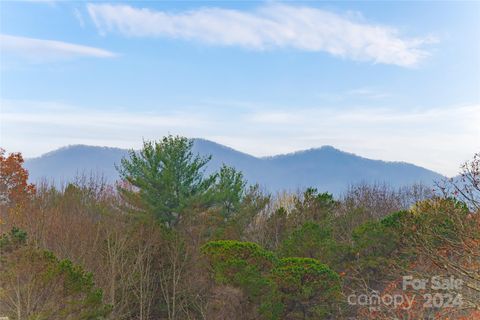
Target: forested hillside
x: 325, y: 168
x: 171, y: 240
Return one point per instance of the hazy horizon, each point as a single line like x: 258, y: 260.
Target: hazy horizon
x: 246, y: 153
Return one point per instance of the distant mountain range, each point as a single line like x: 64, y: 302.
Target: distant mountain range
x: 325, y: 168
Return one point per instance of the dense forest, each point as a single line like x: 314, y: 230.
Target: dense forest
x: 169, y: 241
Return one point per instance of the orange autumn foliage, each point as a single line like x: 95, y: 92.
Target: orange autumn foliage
x: 14, y: 187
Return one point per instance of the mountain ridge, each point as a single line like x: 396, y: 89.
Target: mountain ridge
x: 326, y: 168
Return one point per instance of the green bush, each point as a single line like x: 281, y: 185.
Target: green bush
x: 307, y: 288
x: 280, y: 287
x: 313, y: 240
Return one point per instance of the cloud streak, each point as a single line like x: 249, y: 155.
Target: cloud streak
x: 38, y: 50
x: 269, y: 27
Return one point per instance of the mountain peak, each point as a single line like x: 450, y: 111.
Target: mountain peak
x: 325, y: 150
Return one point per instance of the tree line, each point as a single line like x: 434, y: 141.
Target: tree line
x: 170, y: 241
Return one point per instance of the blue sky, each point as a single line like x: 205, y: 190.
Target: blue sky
x: 386, y: 80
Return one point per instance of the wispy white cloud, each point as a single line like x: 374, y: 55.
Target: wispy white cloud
x: 54, y: 113
x: 368, y: 93
x: 438, y: 138
x: 78, y: 15
x: 38, y: 50
x: 269, y: 27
